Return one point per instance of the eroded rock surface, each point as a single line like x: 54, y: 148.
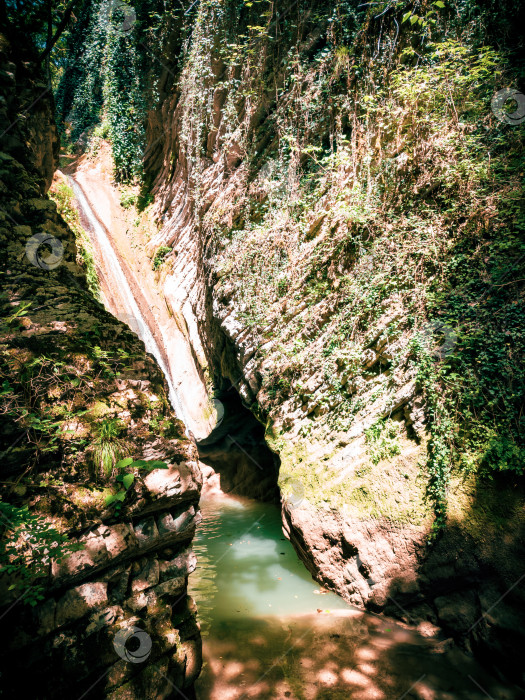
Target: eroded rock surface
x: 112, y: 619
x: 359, y: 520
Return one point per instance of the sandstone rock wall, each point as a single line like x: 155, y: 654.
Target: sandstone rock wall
x: 361, y: 528
x: 112, y: 619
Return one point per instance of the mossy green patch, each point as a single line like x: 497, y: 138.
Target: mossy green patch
x: 350, y: 481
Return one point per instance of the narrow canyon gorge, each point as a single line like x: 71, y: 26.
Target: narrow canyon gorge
x: 262, y: 375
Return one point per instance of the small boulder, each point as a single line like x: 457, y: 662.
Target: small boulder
x: 81, y: 600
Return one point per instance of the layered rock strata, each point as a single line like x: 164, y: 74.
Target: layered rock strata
x: 111, y: 619
x: 361, y: 526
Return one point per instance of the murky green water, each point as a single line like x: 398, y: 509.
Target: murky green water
x: 247, y: 568
x: 269, y: 633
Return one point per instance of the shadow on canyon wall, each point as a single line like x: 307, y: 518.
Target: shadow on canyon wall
x: 472, y: 580
x: 236, y: 449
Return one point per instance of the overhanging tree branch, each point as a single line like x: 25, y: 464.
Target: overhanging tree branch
x: 63, y: 24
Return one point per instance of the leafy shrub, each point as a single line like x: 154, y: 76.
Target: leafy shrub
x: 160, y: 256
x: 127, y: 199
x: 382, y: 438
x: 125, y: 479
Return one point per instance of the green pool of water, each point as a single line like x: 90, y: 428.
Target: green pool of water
x: 246, y: 567
x: 269, y: 633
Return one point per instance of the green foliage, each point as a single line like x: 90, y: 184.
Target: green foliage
x: 23, y: 388
x: 161, y: 254
x: 376, y: 176
x: 382, y: 438
x: 30, y: 383
x: 428, y: 19
x: 79, y: 98
x: 388, y: 197
x: 144, y: 198
x: 109, y: 78
x: 100, y: 133
x: 127, y: 199
x: 28, y: 22
x: 124, y: 102
x: 64, y: 198
x: 124, y: 482
x: 28, y: 544
x: 440, y: 428
x: 19, y: 311
x: 108, y: 446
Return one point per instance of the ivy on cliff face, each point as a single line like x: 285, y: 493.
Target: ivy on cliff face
x: 374, y: 170
x: 110, y: 75
x: 375, y: 173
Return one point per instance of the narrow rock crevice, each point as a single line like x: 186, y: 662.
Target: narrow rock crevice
x: 236, y: 449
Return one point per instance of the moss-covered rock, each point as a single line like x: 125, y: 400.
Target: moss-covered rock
x: 78, y: 393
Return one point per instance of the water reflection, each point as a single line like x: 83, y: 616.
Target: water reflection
x: 269, y: 633
x: 247, y: 567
